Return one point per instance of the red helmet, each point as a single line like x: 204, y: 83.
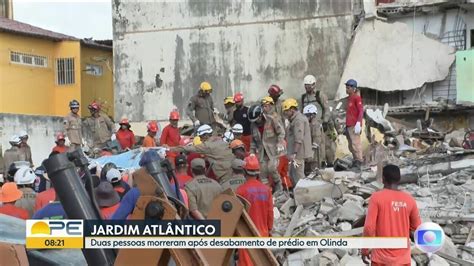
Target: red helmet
x: 152, y: 126
x: 174, y: 115
x: 251, y: 163
x: 275, y: 90
x: 238, y: 97
x: 124, y: 121
x: 60, y: 136
x: 94, y: 106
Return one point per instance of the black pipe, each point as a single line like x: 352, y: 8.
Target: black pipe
x: 155, y: 170
x: 75, y: 201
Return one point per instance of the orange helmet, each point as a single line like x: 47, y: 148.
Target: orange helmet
x: 237, y: 143
x: 60, y: 136
x: 238, y: 97
x: 251, y: 163
x: 152, y: 126
x: 174, y: 115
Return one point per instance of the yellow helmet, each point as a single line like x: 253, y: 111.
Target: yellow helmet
x: 229, y: 99
x: 197, y: 140
x: 267, y: 100
x: 288, y: 103
x: 205, y: 86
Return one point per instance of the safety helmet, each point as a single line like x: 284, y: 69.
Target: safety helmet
x: 288, y: 103
x: 124, y: 121
x: 152, y: 126
x: 24, y: 176
x: 73, y: 104
x: 113, y: 175
x: 237, y: 129
x: 23, y: 134
x: 205, y: 86
x: 310, y: 109
x: 106, y: 169
x: 228, y: 136
x: 309, y: 80
x: 251, y: 164
x: 94, y: 106
x: 267, y: 100
x: 15, y: 140
x: 203, y: 130
x: 237, y: 143
x: 351, y: 83
x: 60, y: 136
x: 238, y: 97
x: 275, y: 90
x: 174, y: 115
x: 254, y: 112
x: 229, y: 100
x: 197, y: 141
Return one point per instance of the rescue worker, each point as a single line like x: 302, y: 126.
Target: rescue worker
x: 107, y: 198
x: 114, y: 177
x: 25, y: 149
x: 229, y: 106
x: 25, y: 179
x: 298, y: 139
x: 238, y: 177
x: 268, y: 135
x: 60, y: 143
x: 73, y: 126
x: 149, y: 140
x: 354, y: 115
x: 310, y: 111
x: 193, y: 155
x: 201, y: 107
x: 9, y: 194
x: 240, y: 117
x: 52, y: 211
x: 228, y: 137
x: 12, y: 155
x: 237, y: 130
x: 261, y: 203
x: 182, y: 170
x: 275, y: 92
x: 216, y: 152
x: 170, y: 136
x: 319, y: 99
x: 45, y: 197
x: 124, y: 135
x: 201, y: 190
x: 238, y: 149
x: 100, y: 126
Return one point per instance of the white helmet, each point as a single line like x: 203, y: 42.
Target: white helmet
x: 23, y: 134
x: 228, y: 136
x: 24, y: 176
x: 15, y: 140
x: 310, y: 109
x: 113, y: 175
x: 309, y: 80
x: 204, y: 129
x: 238, y: 129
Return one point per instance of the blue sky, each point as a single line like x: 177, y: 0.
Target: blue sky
x: 82, y: 19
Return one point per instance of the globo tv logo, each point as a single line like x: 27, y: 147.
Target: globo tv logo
x: 429, y: 237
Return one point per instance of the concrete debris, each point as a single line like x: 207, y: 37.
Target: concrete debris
x: 377, y: 120
x: 350, y: 211
x: 303, y: 257
x: 344, y: 226
x: 351, y: 261
x: 436, y: 260
x: 328, y: 258
x: 310, y: 191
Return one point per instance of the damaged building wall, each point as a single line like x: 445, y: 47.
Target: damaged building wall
x: 162, y: 51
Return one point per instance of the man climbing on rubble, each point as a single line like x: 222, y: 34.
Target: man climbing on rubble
x: 391, y: 213
x: 73, y: 126
x: 216, y: 152
x: 318, y: 98
x: 124, y: 135
x: 200, y: 108
x: 310, y: 111
x: 25, y: 149
x: 261, y: 203
x: 240, y: 117
x: 354, y: 115
x: 298, y: 134
x: 60, y: 143
x: 12, y: 155
x: 238, y: 177
x: 275, y: 92
x: 268, y: 137
x: 201, y: 190
x: 149, y: 140
x: 99, y: 126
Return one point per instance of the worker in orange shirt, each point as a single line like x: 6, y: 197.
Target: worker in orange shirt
x: 60, y: 143
x: 9, y: 194
x: 149, y: 140
x: 107, y: 198
x: 170, y: 136
x: 261, y: 202
x: 124, y: 135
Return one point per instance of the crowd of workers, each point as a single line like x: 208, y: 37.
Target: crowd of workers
x: 267, y: 148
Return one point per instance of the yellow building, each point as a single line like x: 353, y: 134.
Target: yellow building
x: 41, y: 71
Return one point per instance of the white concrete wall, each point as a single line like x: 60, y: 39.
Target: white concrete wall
x: 162, y: 51
x: 41, y: 131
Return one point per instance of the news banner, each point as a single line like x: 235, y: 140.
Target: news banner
x: 181, y: 234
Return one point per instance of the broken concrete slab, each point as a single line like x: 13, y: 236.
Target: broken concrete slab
x: 436, y: 260
x: 351, y: 261
x: 328, y: 258
x: 344, y: 226
x: 350, y: 211
x: 307, y: 191
x: 448, y: 247
x: 303, y: 257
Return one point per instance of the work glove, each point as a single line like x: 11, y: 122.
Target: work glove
x: 357, y: 128
x: 280, y: 148
x: 113, y: 137
x: 67, y: 142
x: 197, y: 123
x: 216, y: 111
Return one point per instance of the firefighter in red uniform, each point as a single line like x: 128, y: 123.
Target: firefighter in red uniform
x: 261, y: 203
x: 170, y: 136
x: 124, y: 135
x: 60, y: 143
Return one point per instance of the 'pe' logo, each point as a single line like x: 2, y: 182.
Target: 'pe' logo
x: 54, y: 228
x: 429, y: 237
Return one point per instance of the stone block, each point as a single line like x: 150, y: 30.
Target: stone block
x: 309, y: 191
x: 350, y: 211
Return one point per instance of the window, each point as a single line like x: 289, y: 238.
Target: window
x: 65, y: 71
x: 94, y: 70
x: 28, y: 59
